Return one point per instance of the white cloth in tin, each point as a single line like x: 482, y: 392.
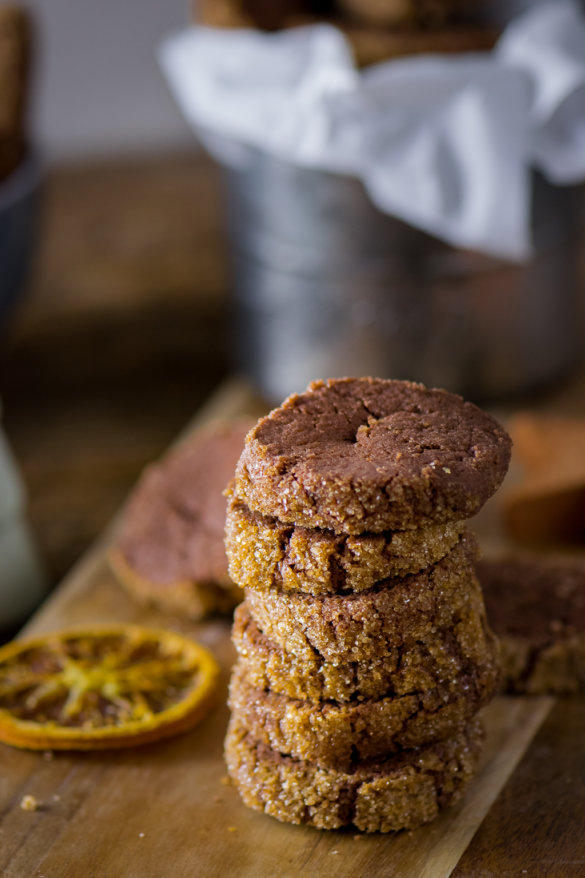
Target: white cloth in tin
x: 446, y: 143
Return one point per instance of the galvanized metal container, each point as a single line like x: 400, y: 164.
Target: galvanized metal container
x: 325, y: 285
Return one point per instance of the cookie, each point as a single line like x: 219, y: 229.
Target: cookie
x: 169, y: 551
x: 466, y: 650
x: 392, y: 13
x: 188, y: 598
x: 356, y: 455
x: 547, y: 501
x: 373, y: 45
x: 400, y: 792
x: 262, y: 552
x: 15, y: 53
x: 261, y: 14
x: 364, y: 626
x: 340, y: 734
x: 537, y: 608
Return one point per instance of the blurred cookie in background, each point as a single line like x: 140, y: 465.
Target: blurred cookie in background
x: 372, y: 45
x: 536, y: 607
x: 169, y: 551
x: 261, y: 14
x: 546, y: 503
x: 390, y: 13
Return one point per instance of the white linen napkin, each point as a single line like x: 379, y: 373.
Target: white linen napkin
x: 446, y: 143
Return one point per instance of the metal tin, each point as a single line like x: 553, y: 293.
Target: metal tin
x: 325, y: 285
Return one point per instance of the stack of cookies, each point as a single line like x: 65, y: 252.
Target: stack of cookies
x: 364, y: 653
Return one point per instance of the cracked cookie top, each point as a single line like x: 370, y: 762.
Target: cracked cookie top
x: 369, y: 454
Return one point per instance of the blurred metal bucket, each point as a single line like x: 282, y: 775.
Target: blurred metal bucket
x: 325, y: 285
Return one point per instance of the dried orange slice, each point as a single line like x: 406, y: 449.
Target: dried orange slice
x: 98, y: 688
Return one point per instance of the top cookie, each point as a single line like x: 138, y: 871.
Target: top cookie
x: 368, y: 454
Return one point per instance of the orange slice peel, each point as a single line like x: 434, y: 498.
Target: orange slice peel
x: 98, y: 688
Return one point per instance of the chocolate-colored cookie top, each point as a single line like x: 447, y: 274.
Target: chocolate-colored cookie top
x: 173, y: 526
x: 369, y: 454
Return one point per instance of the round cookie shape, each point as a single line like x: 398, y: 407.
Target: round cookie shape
x: 341, y: 735
x: 465, y: 650
x: 536, y: 605
x: 401, y: 792
x: 366, y: 625
x: 369, y: 454
x: 263, y: 552
x: 170, y: 550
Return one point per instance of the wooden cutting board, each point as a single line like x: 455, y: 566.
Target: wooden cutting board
x: 168, y: 809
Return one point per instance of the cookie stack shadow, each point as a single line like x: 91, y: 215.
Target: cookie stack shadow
x: 364, y: 654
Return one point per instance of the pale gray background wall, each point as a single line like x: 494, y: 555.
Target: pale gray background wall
x: 98, y: 88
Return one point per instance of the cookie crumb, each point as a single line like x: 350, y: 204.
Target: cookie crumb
x: 232, y: 828
x: 29, y: 803
x: 225, y: 780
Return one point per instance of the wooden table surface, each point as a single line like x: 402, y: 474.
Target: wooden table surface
x: 120, y: 342
x: 120, y: 338
x: 166, y: 810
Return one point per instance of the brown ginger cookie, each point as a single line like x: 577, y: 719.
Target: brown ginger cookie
x: 536, y: 605
x: 401, y: 792
x: 263, y: 552
x: 364, y: 626
x: 260, y: 14
x: 373, y: 45
x: 547, y: 502
x: 170, y: 551
x: 355, y: 455
x: 392, y: 13
x: 338, y: 735
x: 466, y: 650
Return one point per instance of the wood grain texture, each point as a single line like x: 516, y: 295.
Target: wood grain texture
x: 166, y: 809
x: 119, y: 338
x: 95, y: 807
x: 537, y: 827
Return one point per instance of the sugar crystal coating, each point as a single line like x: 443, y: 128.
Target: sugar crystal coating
x: 466, y: 651
x: 403, y: 791
x: 363, y: 626
x: 364, y: 649
x: 263, y: 552
x: 338, y: 736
